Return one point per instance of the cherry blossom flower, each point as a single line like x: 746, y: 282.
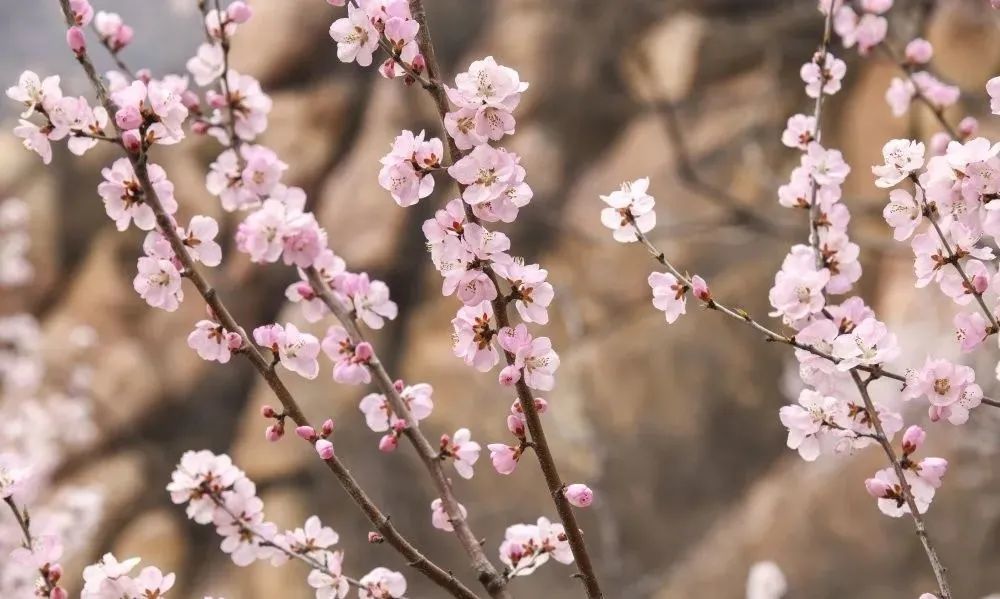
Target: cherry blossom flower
x: 356, y: 38
x: 629, y: 208
x: 526, y: 547
x: 35, y: 93
x: 970, y: 329
x: 886, y: 487
x: 486, y: 95
x: 112, y: 30
x: 798, y: 286
x: 109, y: 578
x: 826, y: 77
x: 827, y: 167
x: 298, y: 351
x: 766, y: 581
x: 902, y: 157
x: 992, y: 89
x: 350, y: 361
x: 462, y: 449
x: 870, y: 343
x: 579, y: 495
x: 440, y: 518
x: 406, y: 169
x: 918, y: 51
x: 382, y: 583
x: 530, y: 291
x: 370, y: 299
x: 379, y: 415
x: 815, y: 424
x: 950, y: 389
x: 504, y: 457
x: 473, y: 336
x: 211, y: 340
x: 159, y: 283
x: 249, y: 104
x: 799, y: 131
x: 486, y: 172
x: 124, y: 198
x: 330, y: 583
x: 903, y: 213
x: 669, y: 294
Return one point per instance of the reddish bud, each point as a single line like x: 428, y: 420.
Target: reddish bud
x: 268, y: 412
x: 55, y: 573
x: 364, y: 352
x: 274, y: 432
x: 306, y: 432
x: 76, y: 41
x: 324, y: 448
x: 58, y: 593
x: 510, y: 375
x: 516, y: 426
x: 913, y: 438
x: 388, y: 443
x: 132, y: 141
x: 579, y: 495
x: 375, y: 538
x: 399, y: 385
x: 328, y: 427
x: 234, y: 341
x: 878, y: 488
x: 239, y: 12
x: 200, y: 127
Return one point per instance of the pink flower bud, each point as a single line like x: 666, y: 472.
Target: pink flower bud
x: 274, y: 432
x: 877, y: 488
x: 200, y: 127
x: 268, y: 412
x: 215, y: 99
x: 128, y: 117
x: 234, y: 341
x: 579, y: 495
x: 399, y: 426
x: 82, y: 11
x: 364, y: 352
x: 328, y: 427
x: 700, y: 289
x: 239, y: 12
x: 55, y: 573
x: 58, y: 593
x: 919, y: 51
x: 306, y: 432
x: 191, y: 100
x: 399, y: 386
x: 913, y: 438
x: 541, y: 406
x: 510, y: 375
x: 132, y: 141
x: 388, y: 443
x: 324, y: 448
x: 445, y: 440
x: 122, y: 37
x: 375, y: 538
x: 516, y: 426
x: 418, y: 64
x: 968, y: 127
x: 77, y: 43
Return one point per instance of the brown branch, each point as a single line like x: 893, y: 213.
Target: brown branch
x: 291, y: 408
x: 47, y: 584
x: 940, y: 572
x: 488, y: 575
x: 524, y: 395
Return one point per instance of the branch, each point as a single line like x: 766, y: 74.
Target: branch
x: 49, y: 578
x: 524, y: 394
x: 488, y: 575
x: 378, y: 519
x: 940, y: 572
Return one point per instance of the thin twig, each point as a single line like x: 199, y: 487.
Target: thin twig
x: 291, y: 408
x: 524, y: 395
x: 24, y: 523
x: 491, y: 579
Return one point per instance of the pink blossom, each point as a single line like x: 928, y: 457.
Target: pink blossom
x: 950, y: 389
x: 486, y: 95
x: 538, y: 362
x: 798, y: 286
x: 330, y: 583
x: 826, y: 78
x: 382, y: 583
x: 239, y: 12
x: 370, y: 299
x: 210, y: 340
x: 486, y: 173
x: 992, y: 89
x: 970, y: 329
x: 35, y: 93
x: 76, y: 41
x: 899, y: 95
x: 799, y: 131
x: 473, y: 338
x: 902, y: 157
x: 407, y: 169
x: 869, y: 344
x: 124, y: 198
x: 579, y: 495
x: 814, y: 423
x: 669, y: 294
x: 885, y: 486
x: 297, y: 351
x: 827, y: 167
x: 35, y: 139
x: 462, y: 449
x: 913, y: 438
x: 938, y: 93
x: 903, y: 213
x: 250, y: 105
x: 440, y: 518
x: 262, y: 233
x: 324, y: 449
x: 380, y: 416
x: 207, y: 64
x: 504, y: 457
x: 225, y: 180
x: 159, y: 283
x: 112, y: 30
x: 350, y: 362
x: 81, y: 11
x: 954, y: 285
x: 919, y: 51
x: 530, y: 291
x: 629, y: 207
x: 356, y: 38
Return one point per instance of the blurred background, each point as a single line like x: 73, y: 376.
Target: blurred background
x: 675, y: 427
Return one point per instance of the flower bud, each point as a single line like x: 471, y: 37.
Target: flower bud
x: 132, y: 141
x: 510, y: 375
x: 541, y: 406
x: 306, y: 432
x: 913, y: 438
x: 364, y: 352
x: 200, y: 127
x: 700, y: 289
x: 268, y: 412
x: 122, y: 37
x: 919, y: 51
x: 239, y: 12
x: 82, y: 11
x: 388, y: 443
x: 128, y: 117
x: 968, y: 127
x: 234, y: 341
x: 274, y: 432
x: 398, y: 385
x: 77, y: 43
x: 328, y: 427
x: 375, y: 538
x: 191, y: 101
x: 58, y: 593
x: 55, y: 573
x: 325, y: 449
x: 877, y: 488
x: 579, y: 495
x: 516, y: 426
